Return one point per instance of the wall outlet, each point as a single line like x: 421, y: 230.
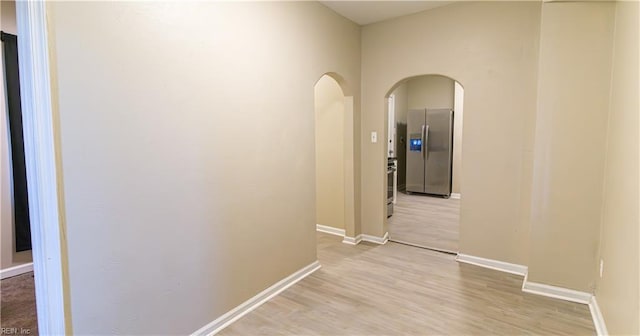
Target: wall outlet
x: 374, y: 137
x: 601, y: 267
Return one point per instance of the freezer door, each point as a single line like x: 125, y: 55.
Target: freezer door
x: 439, y: 151
x: 415, y: 150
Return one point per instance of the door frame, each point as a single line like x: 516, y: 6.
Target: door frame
x: 41, y: 156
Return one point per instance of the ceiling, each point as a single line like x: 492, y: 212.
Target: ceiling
x: 366, y: 12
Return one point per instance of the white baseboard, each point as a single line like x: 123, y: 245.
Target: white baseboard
x: 368, y: 238
x: 455, y: 196
x: 598, y: 319
x: 556, y: 292
x: 231, y: 316
x: 330, y: 230
x: 378, y: 240
x: 352, y: 240
x: 16, y: 270
x: 492, y: 264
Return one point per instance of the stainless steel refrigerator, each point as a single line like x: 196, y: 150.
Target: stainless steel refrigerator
x: 429, y: 151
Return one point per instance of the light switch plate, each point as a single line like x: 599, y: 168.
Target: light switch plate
x: 374, y: 137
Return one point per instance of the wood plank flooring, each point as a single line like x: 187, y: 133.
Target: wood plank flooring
x: 426, y: 221
x: 395, y: 289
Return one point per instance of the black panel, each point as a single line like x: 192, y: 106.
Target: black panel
x: 21, y: 199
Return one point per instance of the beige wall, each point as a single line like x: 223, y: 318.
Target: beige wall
x: 401, y: 102
x: 430, y: 92
x: 617, y: 290
x: 329, y: 142
x: 187, y: 147
x: 492, y: 49
x: 8, y: 256
x: 573, y: 103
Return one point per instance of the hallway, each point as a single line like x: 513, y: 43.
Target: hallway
x: 396, y: 289
x: 155, y: 199
x: 426, y: 221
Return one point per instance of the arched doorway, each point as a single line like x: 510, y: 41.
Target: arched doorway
x: 334, y: 149
x: 424, y: 119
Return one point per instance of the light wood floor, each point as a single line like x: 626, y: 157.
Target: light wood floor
x: 426, y: 221
x: 395, y: 289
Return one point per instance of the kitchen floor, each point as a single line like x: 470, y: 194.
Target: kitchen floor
x: 426, y: 221
x: 394, y: 289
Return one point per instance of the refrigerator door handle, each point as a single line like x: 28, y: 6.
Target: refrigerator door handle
x: 425, y: 141
x: 422, y: 138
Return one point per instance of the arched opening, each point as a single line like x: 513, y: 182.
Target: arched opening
x: 424, y: 136
x: 334, y: 153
